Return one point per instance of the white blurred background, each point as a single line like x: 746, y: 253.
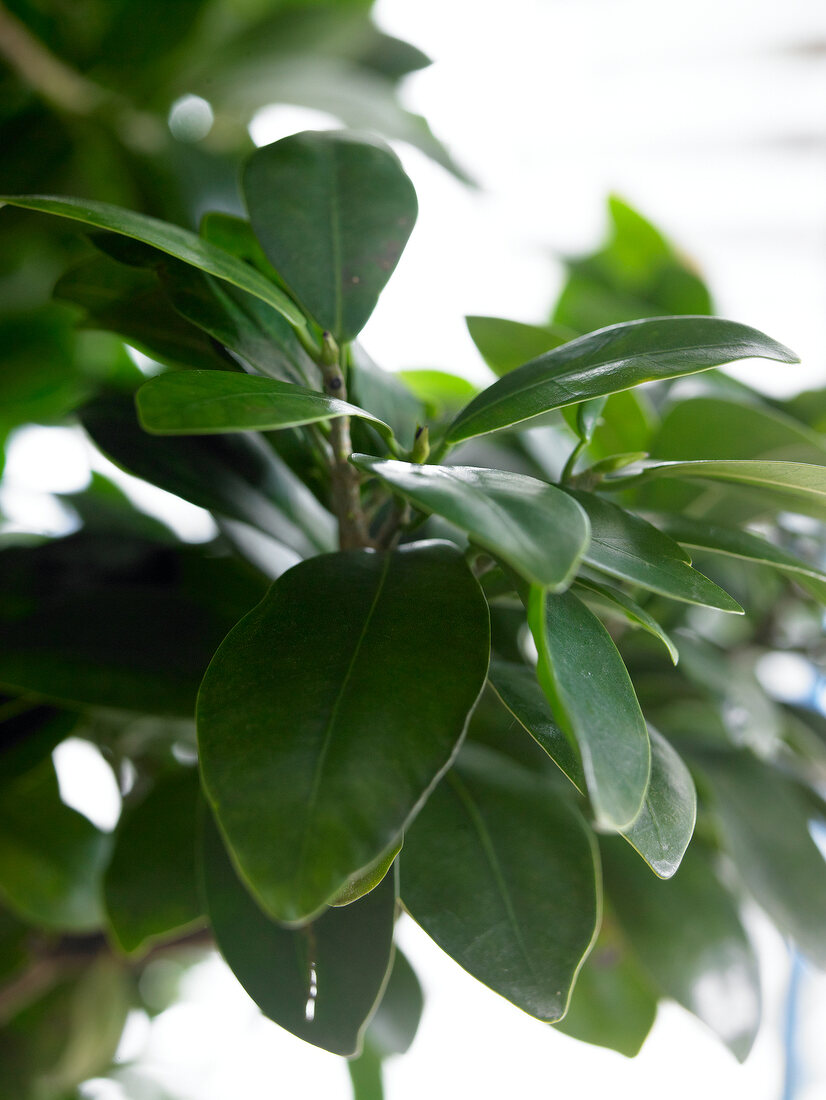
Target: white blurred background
x: 710, y: 118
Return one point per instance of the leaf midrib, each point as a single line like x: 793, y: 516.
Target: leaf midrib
x: 328, y: 732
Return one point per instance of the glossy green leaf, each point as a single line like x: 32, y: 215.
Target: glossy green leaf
x: 114, y: 622
x: 150, y: 889
x: 333, y: 211
x: 506, y: 345
x: 320, y: 982
x: 518, y: 688
x: 331, y: 710
x: 172, y: 239
x: 237, y: 476
x: 688, y: 936
x: 662, y: 829
x: 130, y: 302
x: 241, y: 322
x: 614, y: 603
x: 51, y: 857
x: 610, y: 360
x: 613, y: 1004
x: 731, y: 542
x: 523, y: 933
x: 364, y: 881
x: 764, y: 821
x: 208, y: 402
x: 790, y: 486
x: 625, y: 546
x: 593, y: 700
x: 534, y: 527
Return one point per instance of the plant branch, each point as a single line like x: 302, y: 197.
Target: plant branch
x: 353, y: 531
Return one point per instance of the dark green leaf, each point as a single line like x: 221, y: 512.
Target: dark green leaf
x: 385, y: 395
x: 479, y: 895
x: 130, y: 302
x: 764, y: 820
x: 166, y: 237
x: 394, y: 1026
x: 241, y: 322
x: 333, y: 211
x: 237, y: 476
x: 613, y: 1004
x: 593, y: 700
x: 150, y: 891
x: 663, y: 827
x: 534, y: 527
x: 332, y: 708
x: 610, y: 360
x: 207, y: 402
x: 505, y: 345
x: 688, y: 936
x: 625, y: 546
x: 614, y: 603
x: 322, y: 981
x: 114, y: 622
x: 51, y: 857
x: 441, y: 392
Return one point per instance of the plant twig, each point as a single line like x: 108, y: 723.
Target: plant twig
x: 353, y: 531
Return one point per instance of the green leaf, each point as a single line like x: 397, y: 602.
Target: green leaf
x: 441, y: 392
x: 365, y: 1075
x: 613, y: 1004
x: 364, y: 881
x: 385, y: 395
x: 333, y: 211
x: 172, y: 239
x: 593, y: 700
x: 241, y: 322
x: 150, y: 890
x: 331, y: 710
x: 469, y: 877
x: 394, y: 1026
x: 207, y: 402
x: 614, y: 603
x: 610, y: 360
x: 130, y: 302
x: 66, y: 1034
x: 51, y: 857
x: 734, y: 543
x: 790, y: 486
x: 688, y: 936
x: 637, y: 273
x: 114, y: 622
x: 764, y: 821
x: 662, y: 829
x: 505, y: 345
x: 320, y: 982
x: 534, y: 527
x: 625, y: 546
x: 518, y: 688
x: 237, y: 476
x: 715, y: 427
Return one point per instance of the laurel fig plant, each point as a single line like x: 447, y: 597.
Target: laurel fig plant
x: 453, y: 653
